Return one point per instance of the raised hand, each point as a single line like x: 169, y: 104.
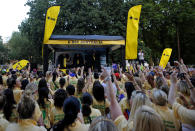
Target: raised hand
x: 104, y: 73
x: 174, y: 78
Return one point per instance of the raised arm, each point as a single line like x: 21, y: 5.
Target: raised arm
x: 172, y: 91
x: 163, y: 78
x: 115, y: 108
x: 82, y: 70
x: 90, y: 75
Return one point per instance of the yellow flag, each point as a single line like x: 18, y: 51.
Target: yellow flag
x: 20, y: 65
x: 132, y: 32
x: 165, y: 57
x: 51, y: 19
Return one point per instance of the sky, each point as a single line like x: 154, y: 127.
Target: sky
x: 12, y: 13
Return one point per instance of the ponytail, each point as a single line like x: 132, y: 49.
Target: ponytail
x: 43, y: 93
x: 71, y: 110
x: 86, y: 111
x: 87, y: 101
x: 69, y: 118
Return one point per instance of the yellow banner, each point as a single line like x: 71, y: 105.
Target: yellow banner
x: 51, y: 19
x: 132, y: 32
x: 165, y: 57
x: 86, y: 42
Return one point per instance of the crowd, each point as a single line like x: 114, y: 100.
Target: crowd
x: 135, y: 99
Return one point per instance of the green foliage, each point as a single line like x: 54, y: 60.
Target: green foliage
x: 20, y: 47
x: 147, y: 51
x: 3, y: 52
x: 160, y: 22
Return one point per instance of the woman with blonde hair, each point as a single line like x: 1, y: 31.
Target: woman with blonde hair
x: 146, y: 119
x: 102, y: 124
x: 161, y: 107
x: 139, y: 100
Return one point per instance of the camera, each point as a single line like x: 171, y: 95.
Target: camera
x: 181, y: 76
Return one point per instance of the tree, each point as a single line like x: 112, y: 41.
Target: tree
x: 20, y: 47
x: 3, y: 52
x: 162, y: 22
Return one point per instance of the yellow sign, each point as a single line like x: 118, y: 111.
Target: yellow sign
x: 20, y: 65
x: 132, y: 32
x: 165, y: 57
x: 51, y: 19
x: 86, y: 42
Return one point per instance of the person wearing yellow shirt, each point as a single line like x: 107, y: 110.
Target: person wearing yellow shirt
x: 80, y: 86
x: 149, y: 84
x: 62, y: 83
x: 89, y: 113
x: 138, y: 99
x: 4, y: 77
x: 55, y: 81
x: 102, y: 123
x: 43, y: 83
x: 17, y: 90
x: 183, y: 91
x: 72, y: 80
x: 26, y: 109
x: 167, y: 76
x: 71, y: 120
x: 125, y: 102
x: 115, y: 110
x: 57, y: 113
x: 146, y: 119
x: 185, y: 115
x: 48, y: 78
x: 9, y: 109
x: 161, y: 107
x: 99, y: 100
x: 45, y: 105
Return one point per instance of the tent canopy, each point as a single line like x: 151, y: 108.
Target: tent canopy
x: 85, y: 43
x: 81, y: 42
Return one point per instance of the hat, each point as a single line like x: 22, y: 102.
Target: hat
x: 3, y: 70
x: 117, y: 75
x: 72, y: 74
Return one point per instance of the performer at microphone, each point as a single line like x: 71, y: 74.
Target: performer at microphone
x: 78, y: 60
